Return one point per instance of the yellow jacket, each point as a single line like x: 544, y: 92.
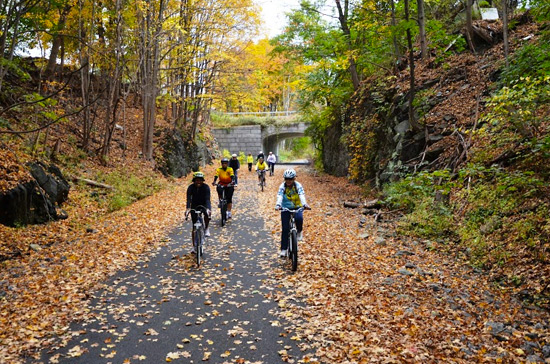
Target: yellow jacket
x: 261, y: 166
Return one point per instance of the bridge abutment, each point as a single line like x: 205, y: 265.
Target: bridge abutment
x: 247, y: 139
x: 253, y: 138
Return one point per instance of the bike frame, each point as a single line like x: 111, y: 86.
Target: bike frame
x: 292, y: 248
x: 262, y: 178
x: 198, y: 232
x: 223, y: 205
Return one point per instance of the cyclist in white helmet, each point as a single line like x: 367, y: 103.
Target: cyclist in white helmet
x: 291, y: 195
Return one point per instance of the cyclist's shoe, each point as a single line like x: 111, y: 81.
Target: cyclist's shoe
x: 300, y: 236
x: 282, y: 253
x: 194, y: 251
x: 229, y: 214
x: 207, y: 232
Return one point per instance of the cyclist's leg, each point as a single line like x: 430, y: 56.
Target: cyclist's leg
x: 299, y: 219
x: 194, y: 218
x: 235, y: 172
x: 206, y: 220
x: 229, y: 197
x: 285, y: 222
x: 220, y: 194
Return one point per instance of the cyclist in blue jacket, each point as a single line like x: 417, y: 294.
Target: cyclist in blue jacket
x: 291, y: 195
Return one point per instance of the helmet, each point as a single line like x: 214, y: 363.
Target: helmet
x: 289, y: 173
x: 225, y: 160
x: 270, y: 152
x: 260, y: 157
x: 233, y: 155
x: 260, y: 152
x: 198, y: 175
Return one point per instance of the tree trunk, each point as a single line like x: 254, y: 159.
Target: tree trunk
x: 57, y: 41
x: 343, y: 17
x: 85, y: 80
x: 396, y: 48
x: 469, y: 28
x: 505, y: 30
x: 151, y: 64
x: 412, y: 120
x: 13, y: 24
x: 113, y: 82
x: 422, y: 29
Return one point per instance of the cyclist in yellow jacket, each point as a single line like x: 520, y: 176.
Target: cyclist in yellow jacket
x: 261, y: 167
x: 227, y: 181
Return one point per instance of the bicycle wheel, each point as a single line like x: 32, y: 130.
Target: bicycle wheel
x: 263, y: 182
x: 198, y: 245
x: 223, y: 212
x: 294, y: 250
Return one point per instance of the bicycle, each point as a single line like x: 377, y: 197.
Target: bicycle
x: 198, y: 232
x: 262, y: 179
x: 292, y: 249
x: 223, y: 205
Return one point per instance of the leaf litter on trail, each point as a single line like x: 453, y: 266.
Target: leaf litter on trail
x: 367, y: 294
x: 348, y: 297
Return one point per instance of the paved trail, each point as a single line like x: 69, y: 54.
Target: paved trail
x: 168, y: 310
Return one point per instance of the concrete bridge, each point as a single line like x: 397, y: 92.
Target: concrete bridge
x: 253, y: 138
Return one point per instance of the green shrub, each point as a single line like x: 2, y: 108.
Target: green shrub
x: 415, y: 194
x: 128, y: 188
x: 495, y: 224
x: 407, y: 193
x: 429, y: 219
x: 532, y: 60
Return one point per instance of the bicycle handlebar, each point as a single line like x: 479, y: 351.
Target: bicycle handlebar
x: 199, y: 210
x: 299, y: 209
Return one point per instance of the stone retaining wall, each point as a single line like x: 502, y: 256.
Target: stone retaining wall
x: 247, y: 139
x: 253, y: 138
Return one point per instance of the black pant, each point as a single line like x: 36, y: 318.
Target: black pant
x: 194, y: 217
x: 228, y: 193
x: 249, y: 167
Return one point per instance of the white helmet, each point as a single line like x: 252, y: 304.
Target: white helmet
x: 233, y: 155
x: 289, y: 173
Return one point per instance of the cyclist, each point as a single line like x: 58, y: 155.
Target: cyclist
x: 260, y: 155
x: 261, y: 166
x: 227, y: 179
x: 271, y: 159
x: 235, y: 164
x: 291, y: 195
x: 198, y: 194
